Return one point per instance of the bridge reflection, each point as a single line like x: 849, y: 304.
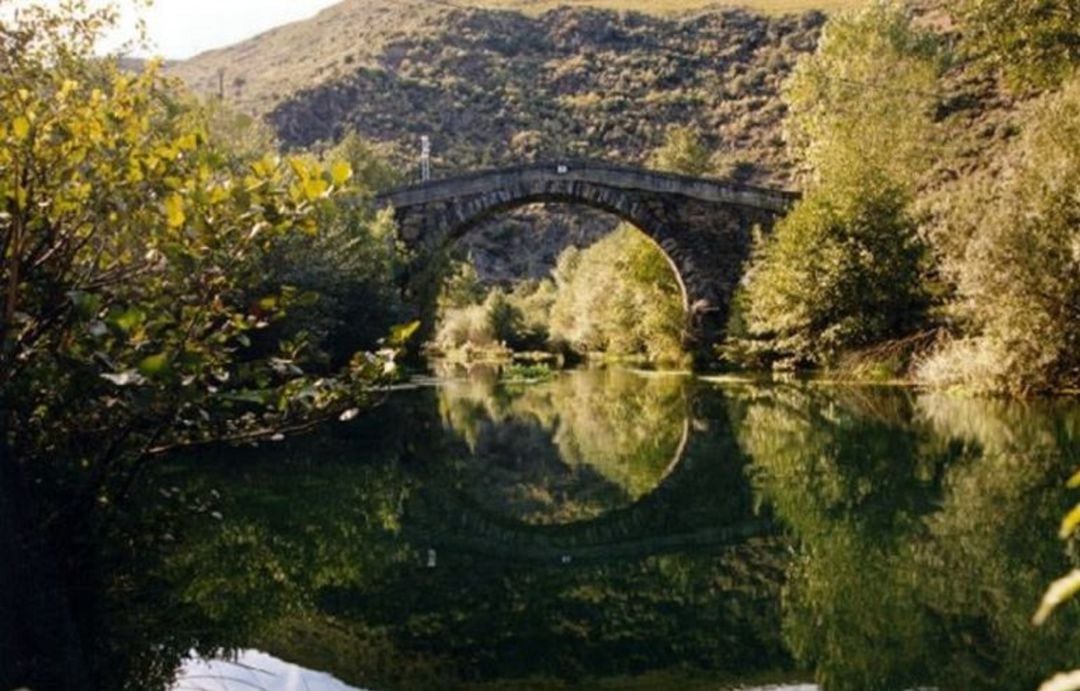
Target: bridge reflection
x: 671, y: 480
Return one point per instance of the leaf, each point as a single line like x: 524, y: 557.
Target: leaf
x: 174, y: 210
x: 154, y: 365
x: 349, y: 414
x: 340, y: 173
x: 86, y: 304
x: 249, y: 396
x: 1058, y: 592
x: 128, y: 320
x: 128, y: 378
x: 20, y: 127
x: 1074, y: 481
x: 1063, y: 682
x: 1070, y: 523
x: 400, y: 334
x: 315, y: 188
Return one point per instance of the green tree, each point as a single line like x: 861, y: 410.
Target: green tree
x: 682, y: 152
x: 619, y: 296
x: 844, y: 269
x: 862, y: 102
x: 1032, y: 42
x: 132, y: 275
x: 841, y: 271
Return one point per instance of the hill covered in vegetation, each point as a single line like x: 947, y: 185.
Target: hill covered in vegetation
x: 497, y: 82
x: 494, y: 86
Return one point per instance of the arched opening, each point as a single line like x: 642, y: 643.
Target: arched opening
x: 587, y: 277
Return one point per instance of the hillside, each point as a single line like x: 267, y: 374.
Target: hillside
x: 498, y: 85
x: 506, y: 81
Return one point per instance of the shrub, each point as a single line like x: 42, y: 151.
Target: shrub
x: 1019, y: 281
x: 844, y: 269
x: 841, y: 271
x: 1033, y: 42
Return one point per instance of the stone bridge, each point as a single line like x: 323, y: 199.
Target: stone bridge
x: 704, y: 226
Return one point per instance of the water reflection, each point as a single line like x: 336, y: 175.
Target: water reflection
x: 925, y: 527
x: 251, y: 669
x: 567, y: 449
x: 608, y: 530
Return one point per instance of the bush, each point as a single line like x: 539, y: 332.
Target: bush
x: 619, y: 296
x: 1033, y: 42
x: 1019, y: 282
x: 463, y: 326
x: 683, y: 152
x: 841, y: 271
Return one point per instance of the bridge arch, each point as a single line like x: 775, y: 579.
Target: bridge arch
x: 703, y: 226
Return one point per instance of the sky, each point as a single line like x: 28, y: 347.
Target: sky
x: 182, y: 28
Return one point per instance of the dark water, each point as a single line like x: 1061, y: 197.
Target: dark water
x: 611, y: 530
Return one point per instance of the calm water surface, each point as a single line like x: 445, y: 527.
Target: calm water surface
x: 610, y: 530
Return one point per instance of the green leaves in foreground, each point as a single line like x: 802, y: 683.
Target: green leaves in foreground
x: 145, y: 280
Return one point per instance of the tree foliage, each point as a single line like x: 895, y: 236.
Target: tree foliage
x: 862, y: 102
x: 135, y: 245
x: 683, y: 152
x: 1019, y: 280
x: 1032, y: 42
x: 619, y: 296
x: 843, y: 270
x: 839, y: 272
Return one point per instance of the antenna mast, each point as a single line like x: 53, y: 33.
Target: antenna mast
x: 425, y: 158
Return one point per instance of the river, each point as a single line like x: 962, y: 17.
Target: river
x: 609, y: 529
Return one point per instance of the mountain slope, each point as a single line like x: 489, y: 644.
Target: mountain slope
x: 500, y: 86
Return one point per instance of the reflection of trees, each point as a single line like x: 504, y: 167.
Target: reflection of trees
x: 926, y: 531
x: 478, y: 621
x: 569, y: 448
x: 226, y: 556
x: 304, y: 554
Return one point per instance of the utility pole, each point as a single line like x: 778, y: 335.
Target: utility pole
x: 425, y: 158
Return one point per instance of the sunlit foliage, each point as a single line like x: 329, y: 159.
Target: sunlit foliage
x: 1020, y: 275
x: 843, y: 270
x: 135, y: 247
x: 1033, y: 42
x: 620, y: 296
x: 682, y: 152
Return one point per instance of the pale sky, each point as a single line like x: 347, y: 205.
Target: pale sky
x: 182, y: 28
